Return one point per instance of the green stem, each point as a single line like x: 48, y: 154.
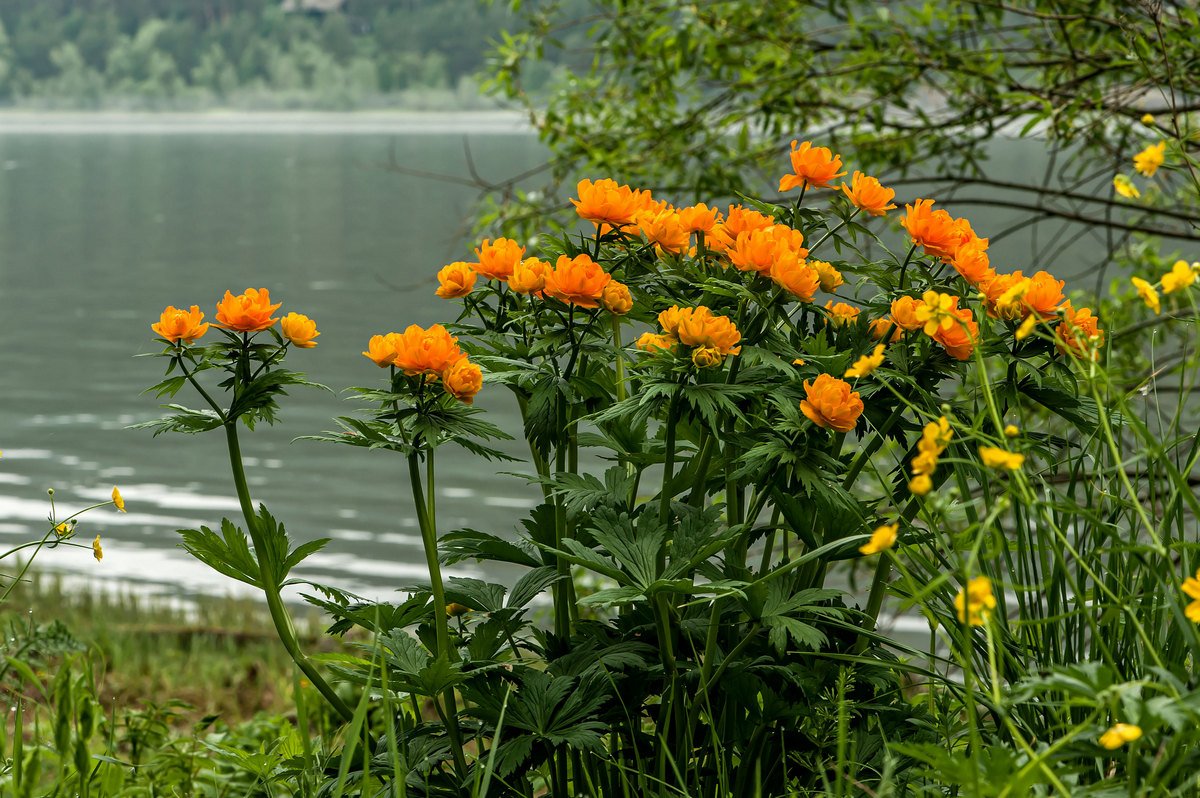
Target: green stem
x: 428, y: 523
x: 620, y: 357
x: 268, y: 582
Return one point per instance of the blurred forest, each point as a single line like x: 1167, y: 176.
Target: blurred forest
x: 260, y: 54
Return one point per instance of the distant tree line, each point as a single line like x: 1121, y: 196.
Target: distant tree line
x: 249, y: 53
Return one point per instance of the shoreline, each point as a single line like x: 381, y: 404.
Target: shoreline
x: 38, y: 122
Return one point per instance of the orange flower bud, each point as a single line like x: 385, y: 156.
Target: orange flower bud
x: 831, y: 278
x: 249, y: 311
x: 705, y: 357
x: 880, y: 327
x: 577, y: 281
x: 456, y: 279
x: 866, y: 194
x: 421, y: 351
x: 616, y: 298
x: 812, y: 166
x: 605, y: 201
x: 650, y: 342
x: 529, y: 276
x: 462, y: 380
x: 796, y: 276
x: 300, y: 330
x: 498, y: 258
x: 180, y: 325
x: 831, y: 404
x: 381, y: 349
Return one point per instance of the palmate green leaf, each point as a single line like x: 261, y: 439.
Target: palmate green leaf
x: 531, y: 585
x: 376, y: 617
x: 184, y: 419
x: 582, y: 493
x: 475, y: 593
x: 471, y: 544
x: 635, y: 550
x: 364, y: 433
x: 228, y: 553
x: 558, y: 710
x: 256, y: 401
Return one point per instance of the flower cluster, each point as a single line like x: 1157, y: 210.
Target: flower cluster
x: 1182, y: 275
x: 934, y: 440
x: 432, y: 353
x: 1146, y: 164
x: 711, y: 338
x: 248, y: 312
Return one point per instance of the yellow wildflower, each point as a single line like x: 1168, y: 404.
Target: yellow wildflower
x: 866, y: 364
x: 1125, y: 187
x: 1147, y: 119
x: 884, y: 537
x: 1191, y: 588
x: 994, y: 457
x: 830, y: 277
x: 1181, y: 276
x: 936, y: 311
x: 1119, y: 734
x: 117, y: 499
x: 1011, y: 431
x: 64, y: 529
x: 1148, y: 160
x: 975, y: 602
x: 1026, y: 328
x: 705, y: 357
x: 1148, y: 294
x: 97, y: 552
x: 920, y: 485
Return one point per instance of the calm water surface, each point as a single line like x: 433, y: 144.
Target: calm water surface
x: 99, y: 230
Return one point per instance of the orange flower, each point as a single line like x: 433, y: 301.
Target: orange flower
x: 421, y: 351
x: 812, y: 166
x: 529, y: 276
x: 669, y: 319
x: 831, y: 404
x: 249, y: 311
x: 462, y: 380
x: 831, y: 278
x: 866, y: 194
x: 1079, y: 331
x: 739, y: 220
x: 605, y: 201
x: 650, y: 342
x: 699, y: 218
x: 180, y: 325
x: 797, y: 277
x: 698, y: 327
x: 616, y: 298
x: 664, y: 228
x: 758, y: 250
x: 498, y: 259
x: 300, y: 330
x: 904, y: 313
x: 971, y: 261
x: 381, y: 349
x: 1044, y: 295
x: 959, y: 338
x: 999, y: 291
x: 880, y: 327
x: 841, y: 314
x: 577, y: 281
x: 937, y: 232
x: 456, y: 279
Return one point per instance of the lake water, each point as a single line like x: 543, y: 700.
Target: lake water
x: 106, y: 220
x: 102, y: 224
